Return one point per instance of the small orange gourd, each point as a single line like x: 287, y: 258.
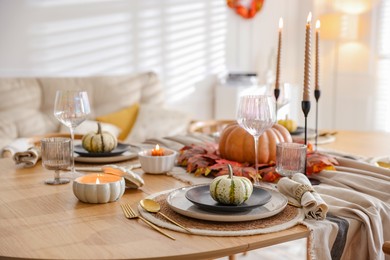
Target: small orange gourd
x: 236, y: 144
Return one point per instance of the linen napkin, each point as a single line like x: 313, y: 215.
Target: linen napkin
x: 28, y: 158
x: 299, y: 191
x: 23, y: 152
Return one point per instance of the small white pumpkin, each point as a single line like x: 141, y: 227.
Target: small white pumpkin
x: 231, y: 190
x: 100, y: 142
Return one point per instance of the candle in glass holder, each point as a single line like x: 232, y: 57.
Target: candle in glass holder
x: 306, y: 82
x: 157, y: 151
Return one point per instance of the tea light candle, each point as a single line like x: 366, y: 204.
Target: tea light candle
x: 157, y: 164
x: 157, y: 151
x: 99, y: 188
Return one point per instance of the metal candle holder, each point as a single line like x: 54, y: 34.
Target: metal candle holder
x: 317, y: 94
x: 305, y: 108
x: 276, y: 94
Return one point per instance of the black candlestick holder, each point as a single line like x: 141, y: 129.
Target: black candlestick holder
x: 276, y: 94
x: 317, y: 94
x: 306, y: 109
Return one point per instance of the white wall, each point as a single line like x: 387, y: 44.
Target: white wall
x: 190, y: 44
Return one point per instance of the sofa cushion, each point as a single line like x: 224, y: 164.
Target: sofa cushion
x: 91, y: 126
x: 124, y: 119
x: 107, y: 94
x: 155, y: 121
x: 20, y: 103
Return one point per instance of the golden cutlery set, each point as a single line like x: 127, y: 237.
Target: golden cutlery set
x: 152, y: 207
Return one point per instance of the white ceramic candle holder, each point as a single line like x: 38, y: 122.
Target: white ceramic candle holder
x: 99, y: 188
x: 157, y: 164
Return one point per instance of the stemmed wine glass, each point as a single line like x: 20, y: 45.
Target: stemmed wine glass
x: 71, y: 109
x: 256, y: 113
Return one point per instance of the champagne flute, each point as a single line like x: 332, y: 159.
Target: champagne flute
x: 56, y: 154
x: 71, y: 109
x: 256, y: 113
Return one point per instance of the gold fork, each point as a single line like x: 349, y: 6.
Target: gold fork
x: 130, y: 214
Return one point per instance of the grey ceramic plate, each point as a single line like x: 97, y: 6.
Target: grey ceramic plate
x: 121, y: 148
x: 200, y: 196
x: 180, y: 204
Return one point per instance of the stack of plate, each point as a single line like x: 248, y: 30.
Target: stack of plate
x: 196, y: 202
x: 121, y: 153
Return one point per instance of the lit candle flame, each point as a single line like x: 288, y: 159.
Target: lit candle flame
x: 157, y: 151
x: 97, y: 180
x: 318, y: 24
x: 280, y: 23
x: 309, y: 18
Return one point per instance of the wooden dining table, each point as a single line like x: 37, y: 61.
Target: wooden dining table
x: 39, y: 221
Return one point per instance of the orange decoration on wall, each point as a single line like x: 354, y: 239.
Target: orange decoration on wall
x: 246, y: 12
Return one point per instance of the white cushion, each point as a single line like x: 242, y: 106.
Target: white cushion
x: 91, y: 126
x: 154, y: 122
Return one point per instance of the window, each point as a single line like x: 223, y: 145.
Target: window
x: 382, y: 106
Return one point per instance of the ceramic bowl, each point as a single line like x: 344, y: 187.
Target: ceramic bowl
x: 157, y: 164
x: 109, y: 188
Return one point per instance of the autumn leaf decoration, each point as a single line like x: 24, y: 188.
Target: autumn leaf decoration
x: 246, y: 11
x: 205, y: 160
x: 317, y: 162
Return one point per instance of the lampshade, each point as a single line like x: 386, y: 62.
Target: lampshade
x: 340, y: 26
x: 352, y: 6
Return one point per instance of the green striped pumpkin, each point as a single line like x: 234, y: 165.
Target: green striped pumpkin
x: 231, y: 190
x: 100, y: 142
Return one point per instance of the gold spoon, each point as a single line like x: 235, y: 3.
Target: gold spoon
x: 154, y: 207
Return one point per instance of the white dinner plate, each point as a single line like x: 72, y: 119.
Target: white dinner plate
x: 180, y: 204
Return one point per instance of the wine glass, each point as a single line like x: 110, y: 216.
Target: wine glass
x: 71, y: 108
x: 256, y: 113
x: 56, y: 154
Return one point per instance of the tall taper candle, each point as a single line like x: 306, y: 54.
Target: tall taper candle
x: 318, y: 24
x: 306, y: 82
x: 279, y: 52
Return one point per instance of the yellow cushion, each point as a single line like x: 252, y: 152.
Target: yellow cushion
x: 124, y: 119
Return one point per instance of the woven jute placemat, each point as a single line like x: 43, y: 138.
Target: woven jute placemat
x: 287, y: 218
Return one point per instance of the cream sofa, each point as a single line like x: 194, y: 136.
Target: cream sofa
x: 26, y: 106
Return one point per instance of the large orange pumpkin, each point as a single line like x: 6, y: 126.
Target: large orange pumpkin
x: 236, y: 144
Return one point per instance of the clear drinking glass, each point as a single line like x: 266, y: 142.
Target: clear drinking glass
x: 71, y: 108
x: 290, y: 158
x: 256, y: 113
x: 56, y: 154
